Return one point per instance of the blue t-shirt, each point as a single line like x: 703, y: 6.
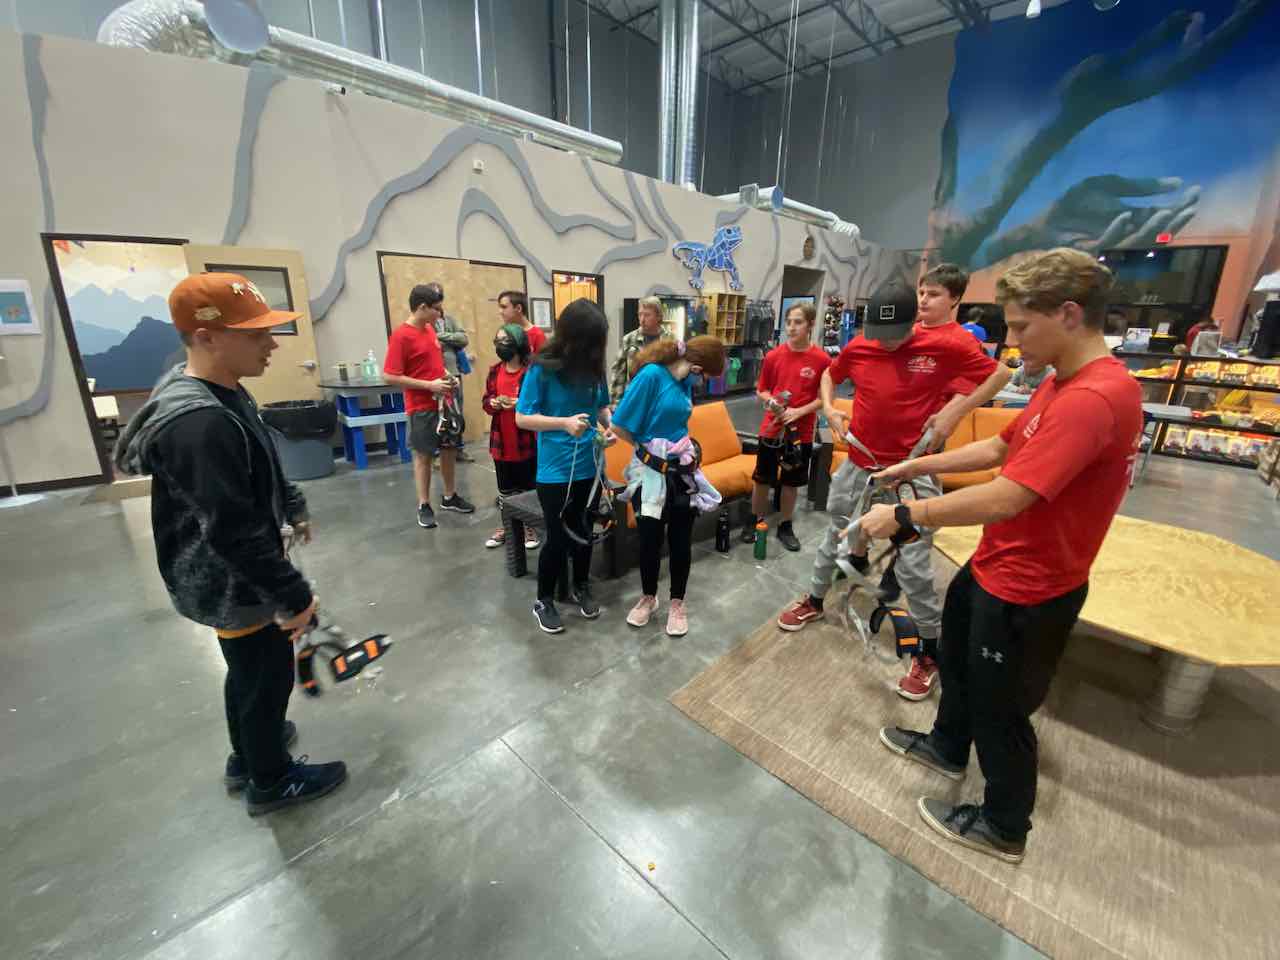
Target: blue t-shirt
x: 656, y: 404
x: 544, y: 393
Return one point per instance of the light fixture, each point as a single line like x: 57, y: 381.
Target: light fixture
x: 237, y: 24
x: 1033, y: 9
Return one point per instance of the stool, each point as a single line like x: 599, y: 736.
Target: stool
x: 389, y: 415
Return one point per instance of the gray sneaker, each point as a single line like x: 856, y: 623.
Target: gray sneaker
x: 965, y: 824
x: 915, y: 745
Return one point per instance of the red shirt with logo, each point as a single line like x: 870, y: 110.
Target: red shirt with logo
x: 896, y: 391
x: 799, y: 371
x: 1074, y: 445
x: 537, y: 339
x: 415, y: 353
x: 507, y: 442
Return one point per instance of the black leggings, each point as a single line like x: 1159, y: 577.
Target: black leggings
x: 679, y: 529
x: 259, y: 681
x: 558, y: 546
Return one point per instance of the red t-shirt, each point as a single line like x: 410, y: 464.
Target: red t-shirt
x: 537, y: 339
x: 507, y: 446
x: 799, y: 371
x: 896, y: 391
x: 1074, y: 445
x: 415, y: 353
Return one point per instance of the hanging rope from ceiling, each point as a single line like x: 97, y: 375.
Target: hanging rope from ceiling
x: 784, y: 126
x: 822, y: 137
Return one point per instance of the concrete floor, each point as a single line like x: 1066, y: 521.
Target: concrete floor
x: 511, y: 794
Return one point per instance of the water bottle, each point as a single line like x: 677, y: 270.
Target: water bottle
x: 369, y: 368
x: 722, y: 531
x: 762, y: 539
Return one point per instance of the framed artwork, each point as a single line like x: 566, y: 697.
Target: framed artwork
x: 541, y: 307
x: 17, y: 313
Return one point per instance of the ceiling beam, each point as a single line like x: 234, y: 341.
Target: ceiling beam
x: 744, y: 16
x: 743, y: 37
x: 868, y: 27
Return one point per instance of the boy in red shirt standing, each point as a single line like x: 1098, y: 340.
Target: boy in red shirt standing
x: 415, y: 362
x: 513, y: 307
x: 902, y: 375
x: 1066, y: 462
x: 938, y: 295
x: 796, y: 368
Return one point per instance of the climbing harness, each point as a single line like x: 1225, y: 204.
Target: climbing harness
x: 596, y: 522
x: 907, y: 641
x: 346, y: 659
x: 679, y: 476
x: 450, y: 424
x: 785, y: 439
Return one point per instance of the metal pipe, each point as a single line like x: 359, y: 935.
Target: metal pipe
x: 772, y: 199
x: 377, y: 19
x: 686, y: 153
x: 179, y: 26
x: 479, y: 66
x: 668, y: 67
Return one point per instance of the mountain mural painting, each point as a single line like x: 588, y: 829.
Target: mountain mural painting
x: 136, y: 362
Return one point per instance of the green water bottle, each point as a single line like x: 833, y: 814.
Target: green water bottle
x: 762, y: 539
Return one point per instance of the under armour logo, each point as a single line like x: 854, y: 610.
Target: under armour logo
x: 995, y: 655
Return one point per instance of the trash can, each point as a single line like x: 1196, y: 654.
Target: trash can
x: 302, y: 431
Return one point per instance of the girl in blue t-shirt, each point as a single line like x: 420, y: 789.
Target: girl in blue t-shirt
x: 565, y: 401
x: 656, y: 406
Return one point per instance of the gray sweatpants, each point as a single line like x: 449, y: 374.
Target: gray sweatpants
x: 914, y: 568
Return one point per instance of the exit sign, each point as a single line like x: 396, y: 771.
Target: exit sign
x: 1163, y: 237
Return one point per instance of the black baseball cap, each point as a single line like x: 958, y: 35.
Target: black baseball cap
x: 891, y: 312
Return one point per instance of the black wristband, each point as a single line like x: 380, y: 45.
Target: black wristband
x: 907, y: 532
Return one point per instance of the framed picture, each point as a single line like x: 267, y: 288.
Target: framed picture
x: 541, y: 307
x: 273, y: 283
x: 17, y: 313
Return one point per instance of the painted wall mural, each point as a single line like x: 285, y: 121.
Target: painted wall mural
x: 1147, y: 120
x: 118, y: 294
x: 716, y: 255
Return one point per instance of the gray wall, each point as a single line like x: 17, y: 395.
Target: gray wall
x: 880, y: 152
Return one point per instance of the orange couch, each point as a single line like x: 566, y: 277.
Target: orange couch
x: 978, y: 425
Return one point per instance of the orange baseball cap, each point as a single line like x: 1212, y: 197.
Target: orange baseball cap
x: 222, y: 300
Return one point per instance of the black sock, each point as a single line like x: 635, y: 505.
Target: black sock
x: 815, y: 602
x: 784, y: 525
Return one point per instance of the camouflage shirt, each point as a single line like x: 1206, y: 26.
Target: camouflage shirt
x: 631, y: 344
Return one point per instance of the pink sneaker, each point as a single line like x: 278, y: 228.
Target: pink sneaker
x: 642, y: 611
x: 919, y: 681
x: 677, y: 619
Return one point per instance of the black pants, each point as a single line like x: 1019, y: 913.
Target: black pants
x: 559, y: 547
x: 997, y: 660
x: 678, y: 524
x: 259, y: 681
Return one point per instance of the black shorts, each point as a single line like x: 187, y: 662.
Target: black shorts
x: 516, y: 476
x: 424, y: 436
x: 771, y: 473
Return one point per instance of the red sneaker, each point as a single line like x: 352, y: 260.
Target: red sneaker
x: 796, y: 617
x: 919, y: 681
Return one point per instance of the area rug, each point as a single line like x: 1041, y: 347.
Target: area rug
x: 1143, y: 846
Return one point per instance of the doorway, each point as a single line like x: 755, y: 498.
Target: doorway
x: 113, y: 301
x: 567, y: 287
x: 801, y: 285
x: 471, y: 290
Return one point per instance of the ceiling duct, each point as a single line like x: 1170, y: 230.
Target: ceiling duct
x: 667, y: 75
x: 772, y: 199
x: 686, y: 154
x: 181, y: 27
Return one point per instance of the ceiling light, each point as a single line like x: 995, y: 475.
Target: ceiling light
x: 1033, y: 9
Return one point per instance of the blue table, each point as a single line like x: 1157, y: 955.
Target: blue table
x: 353, y: 417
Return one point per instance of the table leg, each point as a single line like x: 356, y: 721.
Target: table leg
x: 1179, y: 695
x: 357, y: 447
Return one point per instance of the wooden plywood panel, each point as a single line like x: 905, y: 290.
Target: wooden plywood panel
x: 487, y: 281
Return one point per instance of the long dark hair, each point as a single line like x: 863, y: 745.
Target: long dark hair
x: 577, y: 347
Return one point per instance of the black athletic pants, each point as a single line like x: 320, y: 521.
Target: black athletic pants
x: 559, y: 547
x: 259, y: 681
x: 677, y: 523
x: 997, y: 660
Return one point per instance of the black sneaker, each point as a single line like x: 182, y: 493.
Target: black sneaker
x: 548, y: 617
x: 787, y: 537
x: 966, y: 825
x: 917, y: 746
x: 236, y: 776
x: 302, y: 782
x: 889, y: 589
x: 426, y: 516
x: 749, y: 531
x: 586, y: 603
x: 457, y: 504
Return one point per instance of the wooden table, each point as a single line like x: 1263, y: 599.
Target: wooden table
x: 1201, y: 601
x: 389, y: 415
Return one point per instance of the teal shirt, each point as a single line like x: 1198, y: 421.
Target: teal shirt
x: 656, y: 404
x: 544, y: 393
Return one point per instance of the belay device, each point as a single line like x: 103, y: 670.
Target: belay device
x: 346, y: 659
x: 907, y: 641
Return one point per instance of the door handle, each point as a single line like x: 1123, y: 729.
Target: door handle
x: 309, y: 364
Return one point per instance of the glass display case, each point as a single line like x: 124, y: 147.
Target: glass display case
x: 1235, y: 404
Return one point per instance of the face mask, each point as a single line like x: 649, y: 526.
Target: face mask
x: 505, y: 351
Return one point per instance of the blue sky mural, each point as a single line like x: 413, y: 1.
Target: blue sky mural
x: 1171, y: 104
